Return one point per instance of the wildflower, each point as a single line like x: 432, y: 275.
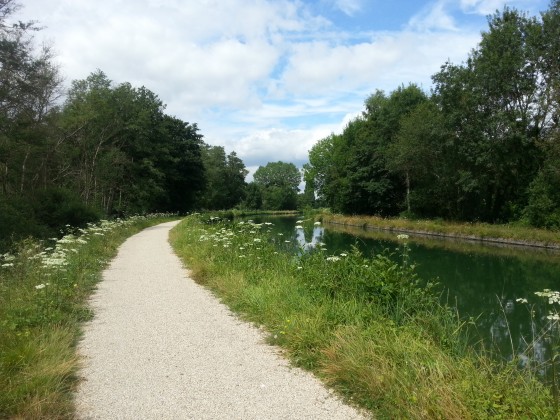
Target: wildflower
x: 256, y: 240
x: 402, y: 236
x: 299, y: 222
x: 299, y: 227
x: 317, y: 223
x: 280, y: 234
x: 40, y: 286
x: 553, y: 296
x: 8, y: 265
x: 333, y: 258
x: 344, y: 254
x: 552, y: 316
x: 287, y: 242
x: 521, y: 300
x: 300, y: 268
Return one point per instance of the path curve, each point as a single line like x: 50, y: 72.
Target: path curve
x: 162, y: 347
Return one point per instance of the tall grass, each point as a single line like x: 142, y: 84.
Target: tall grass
x: 361, y: 324
x: 43, y: 300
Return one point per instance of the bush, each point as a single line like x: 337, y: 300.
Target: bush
x: 58, y: 207
x: 17, y: 221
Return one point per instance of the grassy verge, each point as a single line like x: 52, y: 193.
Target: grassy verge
x: 362, y: 325
x: 510, y: 233
x: 43, y: 301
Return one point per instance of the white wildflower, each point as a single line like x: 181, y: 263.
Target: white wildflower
x: 40, y: 286
x: 333, y: 258
x: 521, y: 300
x: 402, y: 236
x: 552, y: 316
x: 317, y: 223
x: 299, y: 227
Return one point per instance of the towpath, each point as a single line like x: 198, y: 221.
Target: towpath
x: 162, y: 347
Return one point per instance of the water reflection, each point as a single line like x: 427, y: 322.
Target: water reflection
x: 313, y: 239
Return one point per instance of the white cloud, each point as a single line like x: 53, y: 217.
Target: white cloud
x: 266, y: 78
x: 349, y: 7
x: 482, y: 7
x: 434, y: 16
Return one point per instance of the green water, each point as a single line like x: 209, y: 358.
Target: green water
x: 482, y: 281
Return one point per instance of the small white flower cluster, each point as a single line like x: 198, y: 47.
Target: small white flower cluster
x: 402, y: 236
x: 333, y: 258
x: 317, y: 223
x: 553, y: 296
x: 6, y: 260
x: 299, y: 227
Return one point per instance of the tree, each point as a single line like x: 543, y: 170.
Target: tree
x: 124, y: 154
x: 419, y: 152
x: 253, y: 197
x: 225, y: 179
x: 279, y: 183
x: 29, y: 88
x: 497, y: 108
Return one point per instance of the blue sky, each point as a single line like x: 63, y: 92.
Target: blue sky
x: 266, y: 78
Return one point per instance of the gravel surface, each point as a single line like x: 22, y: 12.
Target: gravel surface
x: 162, y: 347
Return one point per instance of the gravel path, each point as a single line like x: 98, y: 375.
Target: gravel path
x: 162, y: 347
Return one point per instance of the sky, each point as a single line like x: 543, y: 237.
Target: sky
x: 264, y: 78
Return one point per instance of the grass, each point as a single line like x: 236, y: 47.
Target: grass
x: 43, y: 302
x: 506, y: 233
x: 363, y: 325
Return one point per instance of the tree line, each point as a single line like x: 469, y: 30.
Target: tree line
x: 101, y: 149
x: 484, y: 145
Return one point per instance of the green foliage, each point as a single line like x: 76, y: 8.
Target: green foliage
x: 479, y: 149
x: 279, y: 184
x: 43, y: 300
x: 225, y: 179
x: 57, y: 208
x: 363, y: 325
x: 351, y: 172
x: 108, y: 150
x: 253, y: 197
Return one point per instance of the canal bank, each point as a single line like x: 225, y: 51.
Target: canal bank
x: 481, y: 232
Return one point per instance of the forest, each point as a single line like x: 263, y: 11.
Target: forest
x: 484, y: 145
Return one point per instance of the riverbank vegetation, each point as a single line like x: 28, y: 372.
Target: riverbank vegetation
x: 500, y: 233
x: 361, y: 324
x: 483, y: 146
x: 43, y: 302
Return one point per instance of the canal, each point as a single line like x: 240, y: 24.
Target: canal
x: 483, y: 282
